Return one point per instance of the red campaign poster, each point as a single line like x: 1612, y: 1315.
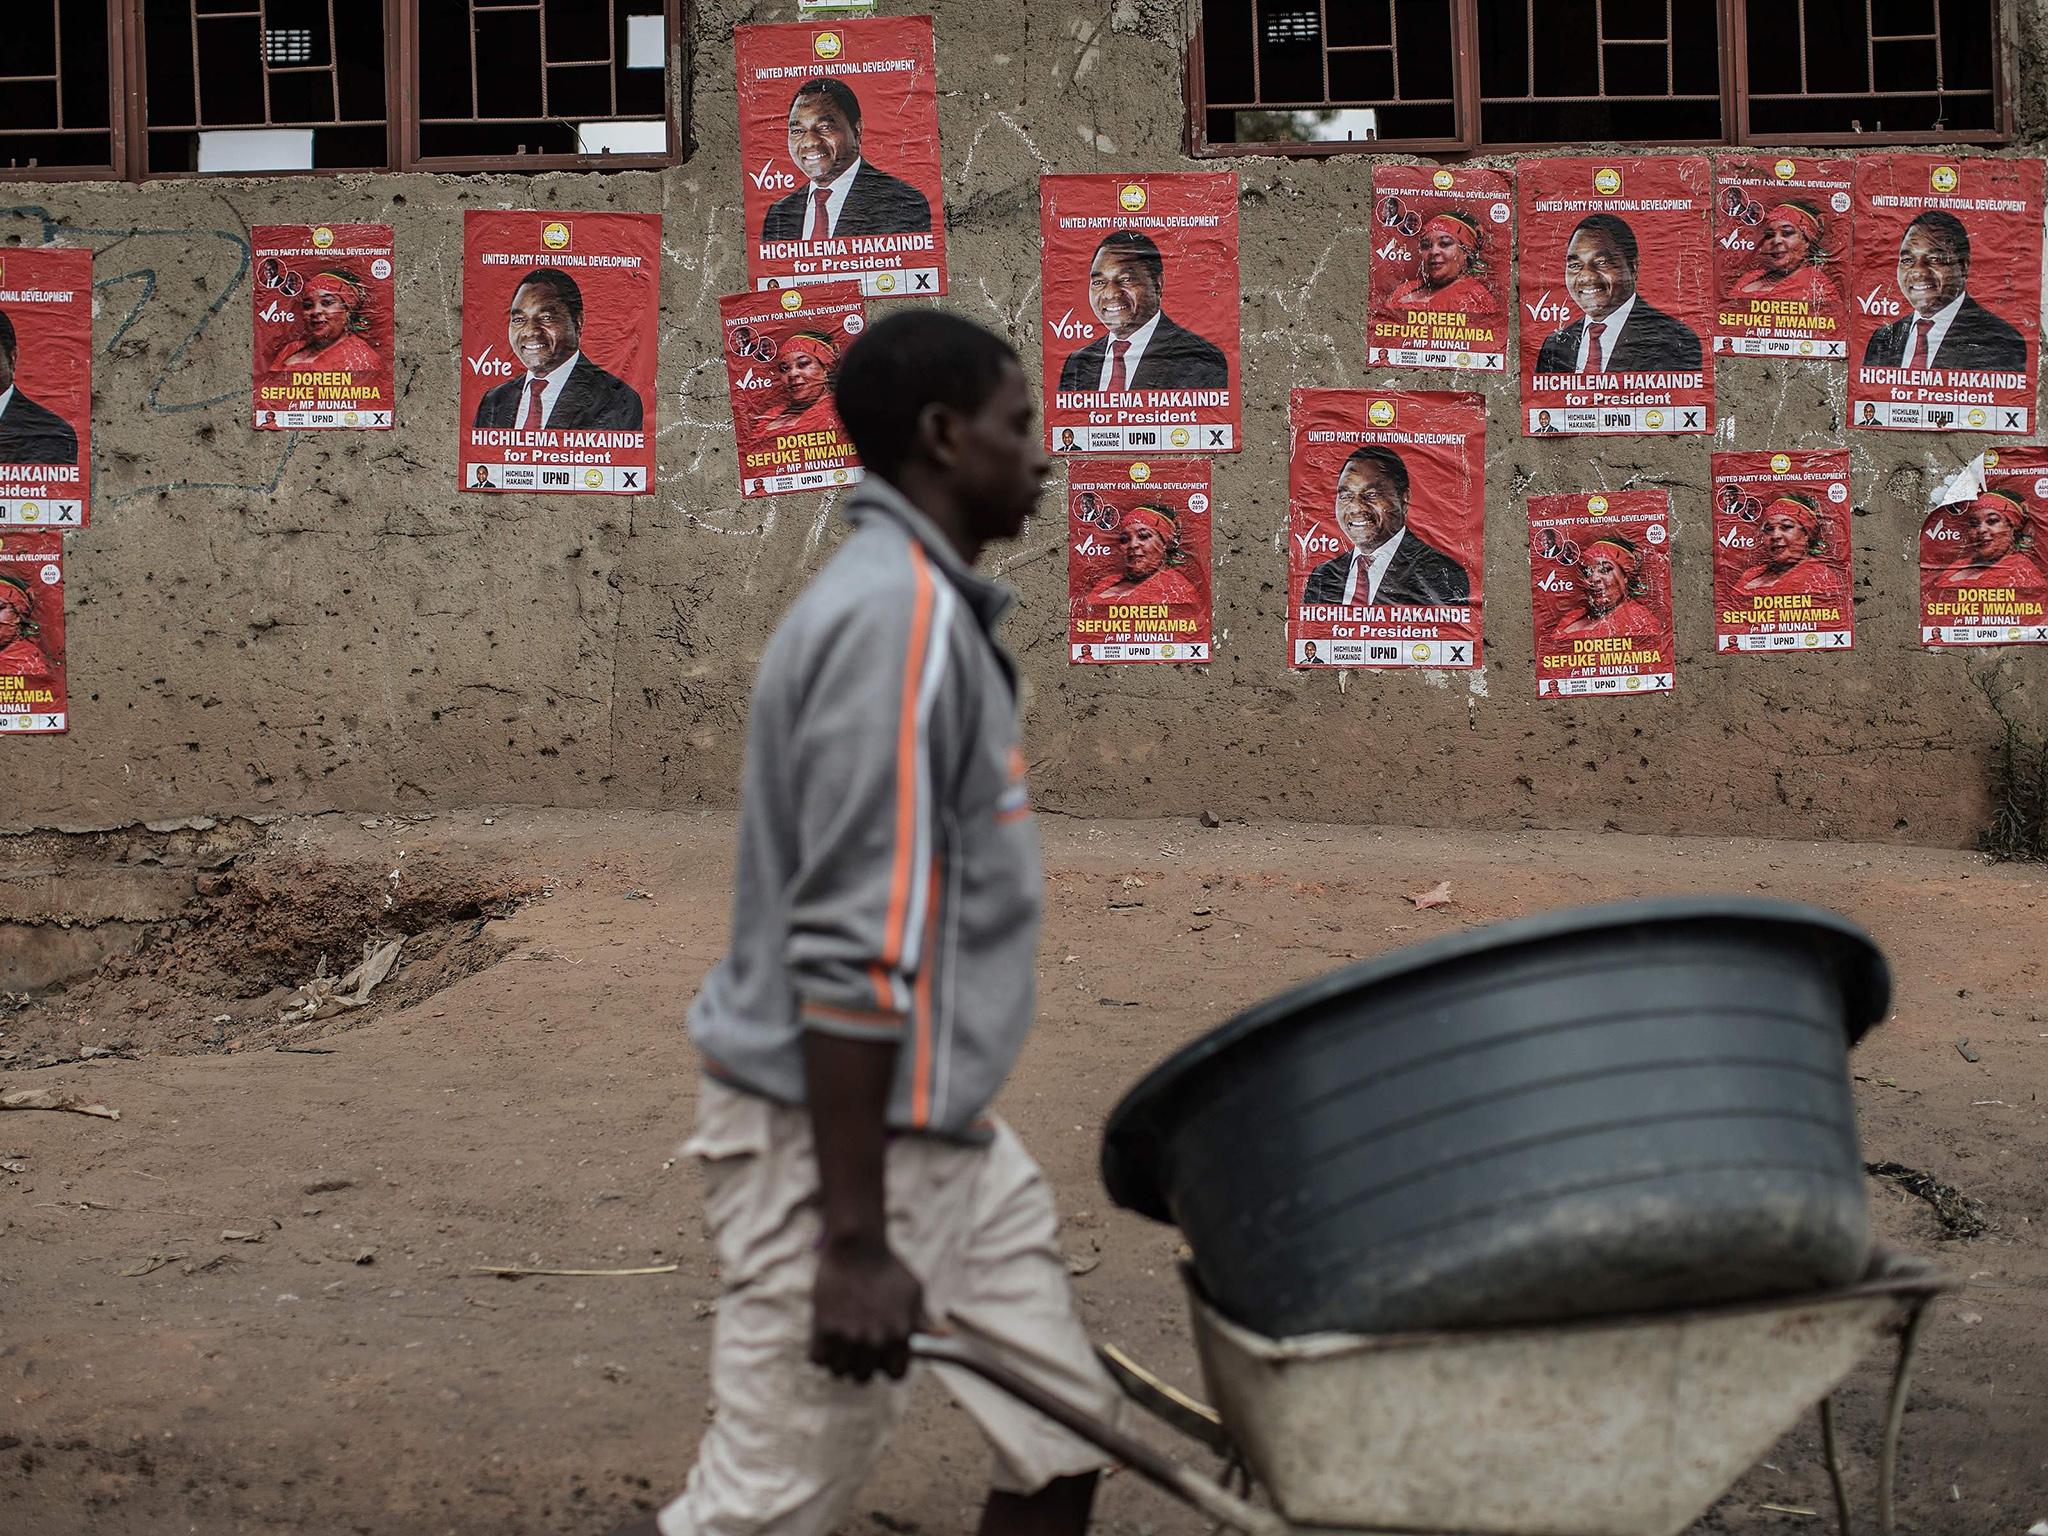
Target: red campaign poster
x: 1781, y: 552
x: 1946, y: 326
x: 1781, y: 255
x: 1600, y: 585
x: 1140, y: 299
x: 1440, y: 292
x: 1983, y: 562
x: 1138, y: 561
x: 45, y: 387
x: 1386, y: 528
x: 1616, y: 292
x: 559, y: 319
x: 839, y: 140
x: 782, y: 356
x: 324, y: 329
x: 32, y: 629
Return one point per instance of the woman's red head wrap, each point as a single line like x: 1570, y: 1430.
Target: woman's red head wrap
x: 1158, y: 520
x: 16, y: 595
x: 1457, y: 226
x: 813, y: 345
x: 1629, y: 559
x: 2012, y: 508
x: 1801, y: 512
x: 1796, y: 213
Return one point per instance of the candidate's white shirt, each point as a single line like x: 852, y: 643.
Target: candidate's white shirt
x: 835, y: 201
x: 1614, y: 322
x: 1943, y: 319
x: 550, y: 392
x: 1371, y: 568
x: 6, y: 399
x: 1139, y: 340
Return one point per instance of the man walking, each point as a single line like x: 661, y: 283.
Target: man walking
x: 879, y: 986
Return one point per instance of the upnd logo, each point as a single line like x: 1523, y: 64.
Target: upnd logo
x: 1943, y: 178
x: 1607, y: 179
x: 1653, y: 419
x: 1991, y: 458
x: 1141, y: 472
x: 1780, y: 463
x: 1132, y: 198
x: 1785, y: 170
x: 30, y: 512
x: 1597, y: 505
x: 826, y: 45
x: 1977, y: 417
x: 1381, y: 413
x: 323, y: 237
x: 1419, y: 651
x: 1441, y: 181
x: 792, y: 298
x: 593, y: 478
x: 886, y: 283
x: 1178, y: 437
x: 555, y: 235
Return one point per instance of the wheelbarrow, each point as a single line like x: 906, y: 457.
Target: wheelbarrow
x: 1624, y: 1426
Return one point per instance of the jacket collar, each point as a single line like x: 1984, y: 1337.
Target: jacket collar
x: 876, y: 497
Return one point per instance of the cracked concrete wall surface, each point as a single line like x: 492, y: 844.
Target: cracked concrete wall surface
x: 270, y: 622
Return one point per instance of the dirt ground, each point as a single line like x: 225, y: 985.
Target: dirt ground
x: 519, y: 1098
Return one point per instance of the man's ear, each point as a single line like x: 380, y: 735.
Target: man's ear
x: 938, y: 433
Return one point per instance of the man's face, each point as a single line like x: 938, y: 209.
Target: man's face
x: 1003, y: 460
x: 1370, y: 509
x: 1122, y: 291
x: 543, y: 333
x: 1931, y: 270
x: 1781, y: 538
x: 1991, y: 533
x: 1144, y: 550
x: 1606, y: 583
x: 325, y: 316
x: 1599, y: 277
x: 1443, y: 259
x: 803, y: 377
x: 821, y: 141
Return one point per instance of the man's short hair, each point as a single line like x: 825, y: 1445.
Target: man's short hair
x: 564, y: 286
x: 913, y: 359
x: 6, y: 335
x: 1386, y: 459
x: 1615, y: 229
x: 1943, y: 225
x: 1132, y: 243
x: 838, y: 92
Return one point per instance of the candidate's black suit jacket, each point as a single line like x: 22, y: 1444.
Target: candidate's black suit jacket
x: 876, y: 204
x: 34, y: 434
x: 1651, y: 342
x: 1175, y: 358
x: 590, y: 398
x: 1418, y: 573
x: 1976, y: 339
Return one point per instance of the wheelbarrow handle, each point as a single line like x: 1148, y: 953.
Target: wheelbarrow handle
x: 1185, y: 1484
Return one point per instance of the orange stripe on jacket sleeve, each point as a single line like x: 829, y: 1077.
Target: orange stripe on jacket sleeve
x: 922, y: 1080
x: 893, y: 935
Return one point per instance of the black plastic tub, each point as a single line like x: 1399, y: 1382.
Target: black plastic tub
x: 1615, y: 1109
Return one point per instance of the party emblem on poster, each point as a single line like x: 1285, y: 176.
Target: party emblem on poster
x: 1600, y: 586
x: 1781, y: 255
x: 1946, y: 314
x: 1139, y: 297
x: 1781, y: 552
x: 1386, y: 517
x: 1983, y: 567
x: 45, y: 387
x: 839, y: 142
x: 31, y: 629
x: 323, y: 330
x: 1616, y: 292
x: 559, y: 318
x: 1138, y: 561
x: 782, y: 355
x: 1442, y: 237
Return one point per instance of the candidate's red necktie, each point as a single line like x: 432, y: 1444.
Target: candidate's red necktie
x: 1119, y: 380
x: 821, y: 218
x: 535, y: 383
x: 1923, y: 331
x: 1595, y: 329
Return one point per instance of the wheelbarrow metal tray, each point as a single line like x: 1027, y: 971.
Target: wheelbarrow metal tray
x: 1623, y: 1427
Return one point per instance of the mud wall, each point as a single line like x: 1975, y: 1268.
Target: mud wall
x: 270, y: 622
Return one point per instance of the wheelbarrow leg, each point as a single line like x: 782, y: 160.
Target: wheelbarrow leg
x: 1190, y: 1487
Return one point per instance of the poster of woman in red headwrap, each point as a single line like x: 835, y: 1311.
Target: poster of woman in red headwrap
x: 1138, y: 561
x: 1781, y: 552
x: 782, y: 354
x: 1946, y: 311
x: 1983, y: 567
x: 1781, y: 248
x: 1600, y: 586
x: 32, y: 631
x: 45, y: 387
x: 1616, y: 293
x: 1442, y: 238
x: 839, y: 142
x: 323, y: 327
x: 1386, y: 520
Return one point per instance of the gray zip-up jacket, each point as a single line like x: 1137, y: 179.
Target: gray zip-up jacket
x: 888, y: 882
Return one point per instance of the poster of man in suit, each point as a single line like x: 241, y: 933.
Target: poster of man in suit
x: 32, y: 699
x: 1386, y: 518
x: 1442, y: 239
x: 782, y: 353
x: 1600, y: 591
x: 1616, y: 291
x: 1138, y: 561
x: 839, y: 146
x: 1781, y: 552
x: 1781, y: 255
x: 559, y: 324
x: 1138, y: 306
x: 1946, y: 329
x: 45, y: 387
x: 323, y: 327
